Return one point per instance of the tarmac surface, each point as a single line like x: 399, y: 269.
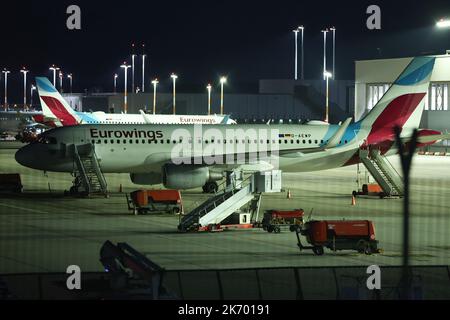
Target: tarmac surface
x: 42, y: 230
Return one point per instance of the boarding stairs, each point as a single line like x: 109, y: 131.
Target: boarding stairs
x: 219, y: 207
x: 89, y: 178
x: 382, y: 171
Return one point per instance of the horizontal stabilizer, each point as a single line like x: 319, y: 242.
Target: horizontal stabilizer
x: 433, y: 137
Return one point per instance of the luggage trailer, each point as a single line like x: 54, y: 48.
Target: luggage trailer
x: 358, y: 235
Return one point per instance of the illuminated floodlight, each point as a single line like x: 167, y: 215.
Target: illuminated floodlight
x: 443, y: 23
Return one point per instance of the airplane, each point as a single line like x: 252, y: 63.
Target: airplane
x: 56, y: 112
x: 190, y: 156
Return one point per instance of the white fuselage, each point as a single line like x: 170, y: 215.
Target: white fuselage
x: 143, y: 118
x: 145, y: 148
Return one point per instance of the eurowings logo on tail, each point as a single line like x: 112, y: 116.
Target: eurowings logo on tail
x: 402, y: 104
x: 54, y: 106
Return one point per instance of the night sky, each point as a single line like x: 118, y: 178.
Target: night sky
x: 201, y: 40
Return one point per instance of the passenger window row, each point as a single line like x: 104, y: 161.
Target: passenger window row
x: 168, y: 141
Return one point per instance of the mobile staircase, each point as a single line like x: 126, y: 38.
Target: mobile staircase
x: 382, y: 171
x: 89, y: 179
x: 223, y: 204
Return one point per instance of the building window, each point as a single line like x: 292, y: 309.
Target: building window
x: 437, y: 97
x: 374, y: 93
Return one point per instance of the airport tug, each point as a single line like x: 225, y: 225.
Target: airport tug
x: 358, y: 235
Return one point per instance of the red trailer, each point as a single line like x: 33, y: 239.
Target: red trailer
x: 274, y: 220
x: 336, y: 235
x: 145, y: 201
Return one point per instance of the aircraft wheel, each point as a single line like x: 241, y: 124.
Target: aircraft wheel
x: 210, y: 187
x: 362, y: 246
x: 318, y: 250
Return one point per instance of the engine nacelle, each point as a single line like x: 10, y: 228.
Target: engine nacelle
x: 187, y: 176
x: 146, y: 178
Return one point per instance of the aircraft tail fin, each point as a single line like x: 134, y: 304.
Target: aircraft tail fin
x: 54, y: 105
x: 402, y: 104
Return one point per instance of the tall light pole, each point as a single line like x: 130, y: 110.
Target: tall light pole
x: 133, y: 56
x: 70, y: 80
x: 125, y: 67
x: 143, y: 67
x: 327, y: 75
x: 61, y: 81
x: 334, y: 51
x: 174, y: 79
x: 154, y: 83
x: 24, y: 72
x: 223, y: 80
x: 209, y: 87
x: 33, y: 88
x: 5, y: 73
x: 54, y: 69
x: 296, y: 31
x: 115, y: 82
x: 302, y: 28
x: 324, y: 52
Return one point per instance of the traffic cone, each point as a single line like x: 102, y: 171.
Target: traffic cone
x: 289, y: 195
x: 120, y: 188
x: 353, y: 200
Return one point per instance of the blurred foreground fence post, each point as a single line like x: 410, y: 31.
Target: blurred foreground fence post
x: 406, y: 152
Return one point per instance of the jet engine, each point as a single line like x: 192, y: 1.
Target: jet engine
x: 188, y: 176
x: 146, y: 178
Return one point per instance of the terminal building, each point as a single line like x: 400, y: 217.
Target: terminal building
x: 276, y: 99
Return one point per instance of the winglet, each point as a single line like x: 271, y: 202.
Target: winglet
x: 145, y: 116
x: 337, y: 137
x: 225, y: 119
